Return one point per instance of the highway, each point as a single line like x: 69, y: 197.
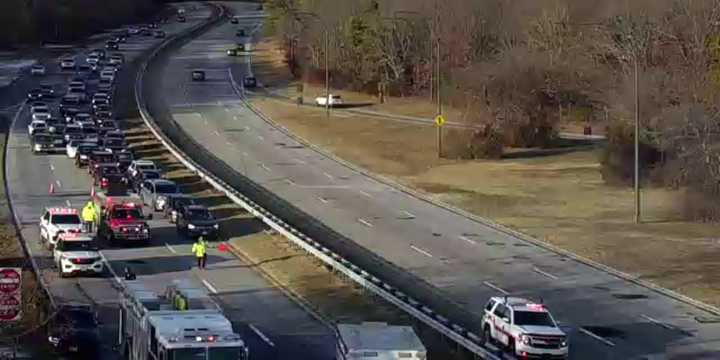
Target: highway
x: 465, y: 260
x: 273, y: 325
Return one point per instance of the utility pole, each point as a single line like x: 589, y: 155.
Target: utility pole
x: 439, y: 100
x: 637, y: 140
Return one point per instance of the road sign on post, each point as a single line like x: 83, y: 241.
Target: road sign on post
x: 10, y: 294
x: 439, y: 121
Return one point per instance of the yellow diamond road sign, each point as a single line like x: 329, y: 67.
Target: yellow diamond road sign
x: 439, y: 120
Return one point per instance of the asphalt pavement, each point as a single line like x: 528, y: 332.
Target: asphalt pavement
x: 273, y: 325
x: 467, y: 261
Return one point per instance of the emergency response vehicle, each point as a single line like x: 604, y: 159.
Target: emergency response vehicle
x: 172, y: 327
x: 123, y: 222
x: 524, y: 328
x: 58, y: 220
x: 378, y: 340
x: 77, y: 253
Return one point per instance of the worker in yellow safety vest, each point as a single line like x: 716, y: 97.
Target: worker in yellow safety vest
x: 89, y: 215
x: 199, y: 249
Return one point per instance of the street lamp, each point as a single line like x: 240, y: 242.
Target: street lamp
x: 327, y: 49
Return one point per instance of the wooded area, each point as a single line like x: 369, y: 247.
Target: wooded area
x: 24, y: 22
x: 519, y: 68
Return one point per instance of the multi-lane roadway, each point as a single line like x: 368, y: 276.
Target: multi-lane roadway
x: 274, y: 326
x: 465, y: 260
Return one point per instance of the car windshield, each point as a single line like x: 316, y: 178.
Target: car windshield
x: 146, y: 167
x: 126, y: 214
x: 85, y: 149
x: 166, y: 188
x: 199, y: 214
x: 103, y: 158
x: 79, y: 246
x: 43, y: 139
x: 183, y: 201
x: 66, y: 219
x: 77, y: 318
x: 533, y: 318
x: 151, y: 175
x: 111, y: 170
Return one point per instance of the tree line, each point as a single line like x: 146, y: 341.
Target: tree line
x: 518, y: 69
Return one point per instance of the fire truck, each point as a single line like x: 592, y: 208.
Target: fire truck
x: 183, y: 323
x: 123, y: 222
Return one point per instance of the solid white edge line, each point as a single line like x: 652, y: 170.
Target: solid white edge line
x: 657, y: 322
x: 264, y: 167
x: 364, y: 193
x: 535, y: 269
x: 328, y: 175
x: 365, y: 222
x: 68, y: 203
x: 596, y: 337
x: 216, y: 133
x: 409, y: 214
x: 209, y: 286
x: 467, y: 239
x: 170, y: 248
x: 323, y: 200
x: 261, y: 335
x: 495, y: 287
x: 422, y: 251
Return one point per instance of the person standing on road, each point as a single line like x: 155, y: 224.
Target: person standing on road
x: 89, y: 215
x: 199, y: 248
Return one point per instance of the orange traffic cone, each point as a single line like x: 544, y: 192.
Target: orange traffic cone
x: 51, y: 190
x: 222, y: 247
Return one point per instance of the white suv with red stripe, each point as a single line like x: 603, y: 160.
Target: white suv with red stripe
x: 523, y: 328
x: 58, y: 220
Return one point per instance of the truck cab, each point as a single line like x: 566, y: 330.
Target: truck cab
x: 524, y: 328
x: 123, y: 223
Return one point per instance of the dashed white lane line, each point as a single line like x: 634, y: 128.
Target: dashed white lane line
x: 52, y: 167
x: 323, y: 200
x: 495, y: 287
x: 68, y: 203
x: 422, y: 251
x: 227, y: 110
x: 59, y: 184
x: 328, y: 175
x: 235, y: 117
x: 657, y: 322
x: 300, y: 162
x: 170, y: 248
x: 408, y: 215
x: 262, y: 138
x: 289, y: 182
x: 209, y: 286
x: 365, y: 193
x: 535, y: 269
x: 261, y: 335
x: 365, y: 222
x: 228, y: 143
x: 264, y: 167
x: 244, y: 154
x: 596, y: 337
x: 216, y: 133
x: 467, y: 239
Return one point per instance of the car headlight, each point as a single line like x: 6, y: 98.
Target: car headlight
x: 525, y: 339
x: 84, y: 157
x: 38, y: 147
x: 216, y: 226
x: 54, y: 340
x: 564, y: 343
x: 145, y: 230
x: 191, y: 226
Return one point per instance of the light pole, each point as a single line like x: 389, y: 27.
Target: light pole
x: 326, y: 40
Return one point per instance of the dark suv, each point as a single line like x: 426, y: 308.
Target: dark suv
x: 175, y: 203
x: 73, y: 331
x: 196, y: 220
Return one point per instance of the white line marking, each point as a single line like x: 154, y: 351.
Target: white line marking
x: 227, y: 110
x: 228, y: 143
x: 467, y: 239
x: 262, y: 138
x: 58, y: 183
x: 209, y: 286
x: 52, y: 167
x: 216, y: 133
x: 68, y: 203
x: 495, y: 287
x: 365, y: 193
x: 245, y: 153
x: 300, y: 162
x: 289, y: 182
x: 596, y: 337
x: 235, y: 117
x: 205, y: 120
x: 657, y: 322
x: 422, y: 251
x: 365, y: 222
x: 409, y: 214
x: 535, y: 269
x: 170, y: 248
x: 261, y: 335
x: 323, y: 200
x: 264, y: 167
x: 328, y: 175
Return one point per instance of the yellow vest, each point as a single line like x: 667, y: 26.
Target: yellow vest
x: 199, y: 249
x: 88, y: 213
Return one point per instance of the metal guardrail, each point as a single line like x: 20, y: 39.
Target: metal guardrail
x: 171, y: 134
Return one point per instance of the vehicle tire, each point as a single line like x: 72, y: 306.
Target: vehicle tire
x: 511, y: 347
x: 485, y: 339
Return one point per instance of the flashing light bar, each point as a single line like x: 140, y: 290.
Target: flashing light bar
x: 535, y: 307
x: 63, y: 211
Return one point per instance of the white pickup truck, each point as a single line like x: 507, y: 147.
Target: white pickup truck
x: 334, y: 100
